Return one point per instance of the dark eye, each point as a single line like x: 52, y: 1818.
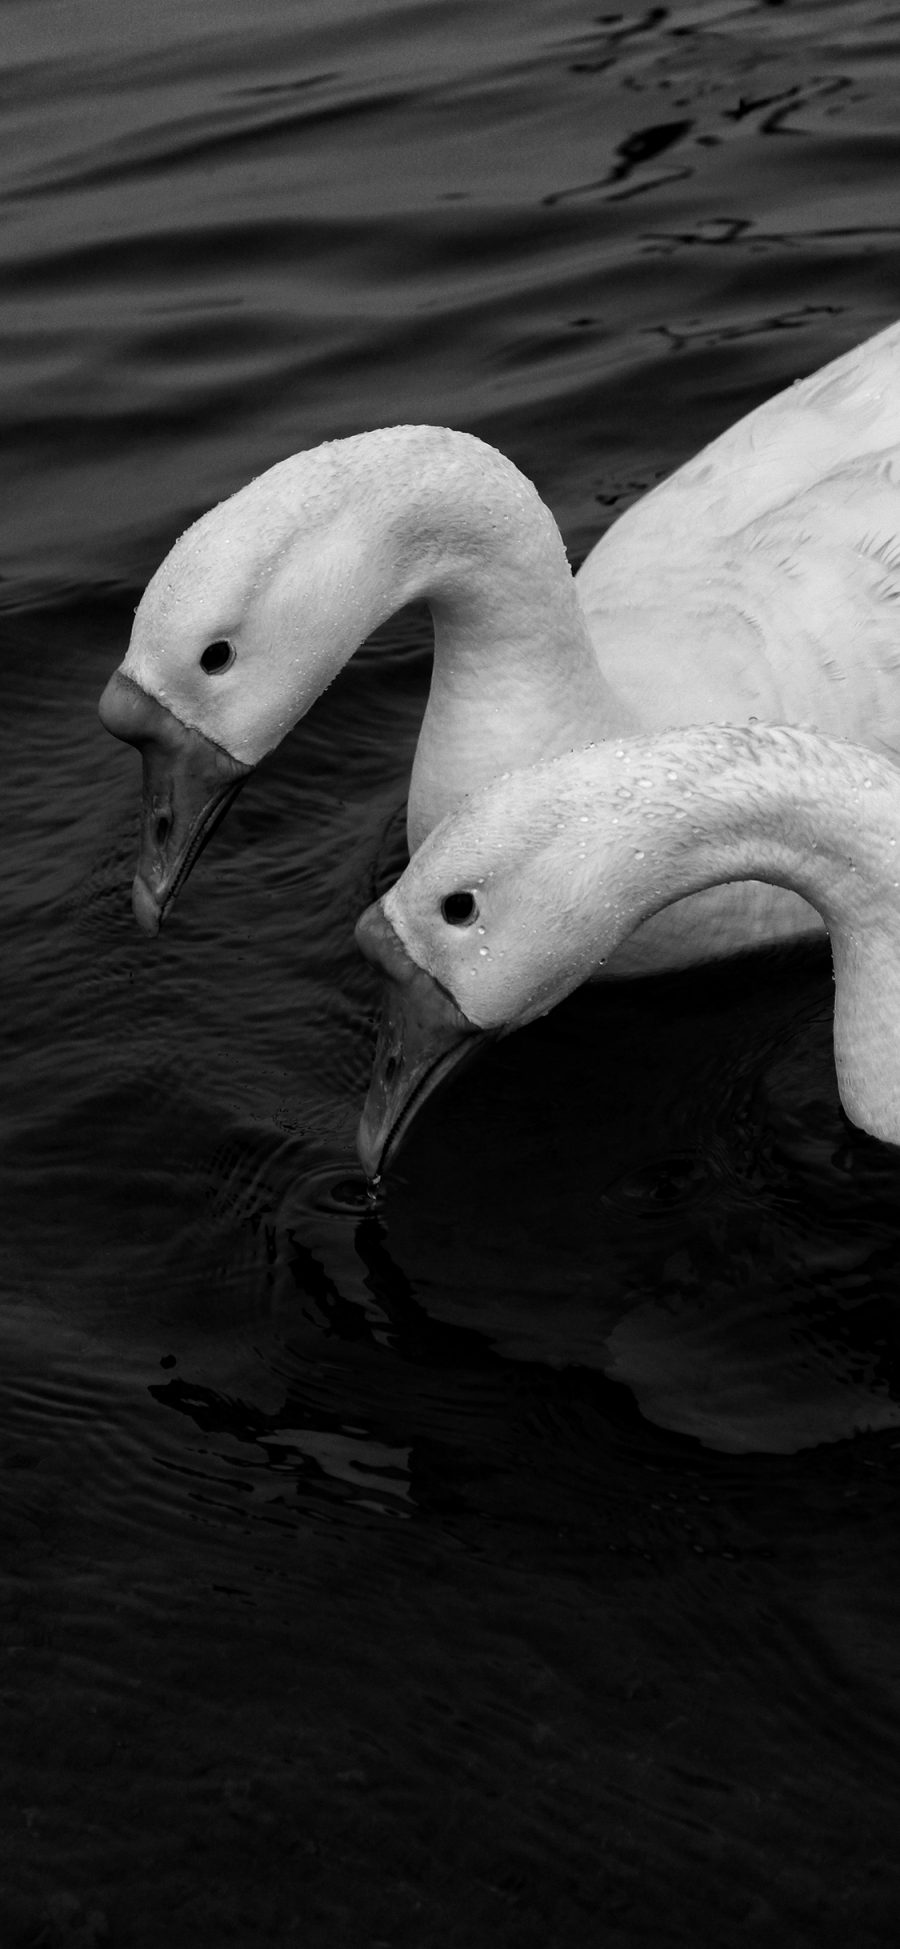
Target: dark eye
x: 217, y: 657
x: 460, y: 909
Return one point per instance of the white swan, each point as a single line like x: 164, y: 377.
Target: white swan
x: 762, y: 580
x: 529, y: 888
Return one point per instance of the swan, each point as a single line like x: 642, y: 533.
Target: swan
x: 761, y: 580
x: 528, y: 889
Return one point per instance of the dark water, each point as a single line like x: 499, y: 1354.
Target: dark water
x: 517, y: 1562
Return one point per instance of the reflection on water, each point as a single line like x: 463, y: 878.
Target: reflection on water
x: 510, y: 1559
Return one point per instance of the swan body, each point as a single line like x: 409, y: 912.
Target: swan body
x: 530, y: 887
x: 761, y: 580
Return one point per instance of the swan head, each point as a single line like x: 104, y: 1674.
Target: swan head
x: 483, y: 933
x: 245, y: 622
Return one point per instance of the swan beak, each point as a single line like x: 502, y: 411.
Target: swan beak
x: 423, y: 1037
x: 189, y: 783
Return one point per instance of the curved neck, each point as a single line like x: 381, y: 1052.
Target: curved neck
x: 515, y: 676
x: 423, y: 513
x: 689, y: 810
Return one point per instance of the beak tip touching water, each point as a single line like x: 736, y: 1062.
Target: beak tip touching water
x: 371, y: 1150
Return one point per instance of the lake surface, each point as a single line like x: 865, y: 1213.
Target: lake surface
x: 515, y: 1562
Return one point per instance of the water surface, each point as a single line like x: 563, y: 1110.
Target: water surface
x: 515, y: 1561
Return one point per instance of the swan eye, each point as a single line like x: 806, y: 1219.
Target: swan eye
x: 217, y: 657
x: 459, y: 909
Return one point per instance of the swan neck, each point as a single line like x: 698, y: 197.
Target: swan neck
x: 797, y: 810
x: 515, y: 678
x: 427, y: 514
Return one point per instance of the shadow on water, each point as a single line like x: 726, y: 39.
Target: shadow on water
x: 652, y: 1199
